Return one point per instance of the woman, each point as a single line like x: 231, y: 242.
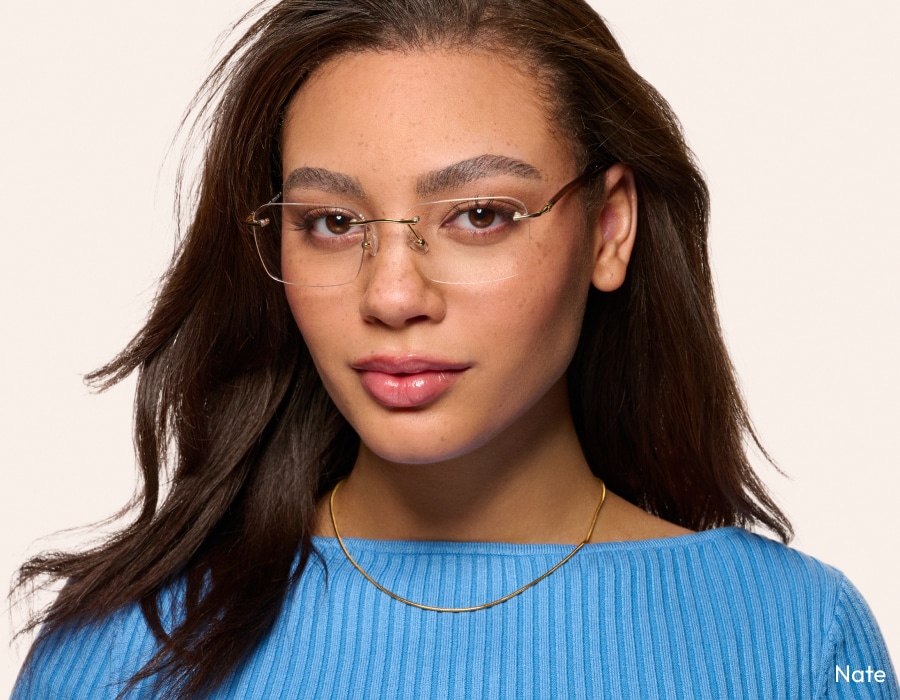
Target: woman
x: 477, y: 297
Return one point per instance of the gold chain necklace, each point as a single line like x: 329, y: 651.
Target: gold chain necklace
x: 484, y: 606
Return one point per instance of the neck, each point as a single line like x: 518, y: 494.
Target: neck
x: 528, y: 485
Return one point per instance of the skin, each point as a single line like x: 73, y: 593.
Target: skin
x: 494, y: 457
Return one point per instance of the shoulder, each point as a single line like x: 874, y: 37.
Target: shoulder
x: 758, y: 558
x: 728, y: 579
x: 767, y: 574
x: 804, y: 611
x: 86, y: 660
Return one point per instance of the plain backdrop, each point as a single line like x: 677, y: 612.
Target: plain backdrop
x: 791, y: 108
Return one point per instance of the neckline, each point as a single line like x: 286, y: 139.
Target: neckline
x: 432, y: 547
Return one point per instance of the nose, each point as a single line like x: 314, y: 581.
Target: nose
x: 413, y: 239
x: 395, y: 291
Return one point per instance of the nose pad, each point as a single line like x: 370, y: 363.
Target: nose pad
x: 413, y: 240
x: 370, y: 242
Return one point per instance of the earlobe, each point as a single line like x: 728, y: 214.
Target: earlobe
x: 615, y: 228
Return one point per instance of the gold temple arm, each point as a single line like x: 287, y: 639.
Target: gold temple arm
x: 590, y: 172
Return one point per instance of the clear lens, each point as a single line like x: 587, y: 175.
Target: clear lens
x: 466, y: 240
x: 471, y: 240
x: 311, y: 245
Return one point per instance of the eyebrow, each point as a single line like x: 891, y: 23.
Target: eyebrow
x: 471, y: 169
x: 325, y: 180
x: 450, y: 177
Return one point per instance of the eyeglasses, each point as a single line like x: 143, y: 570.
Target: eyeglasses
x: 459, y: 241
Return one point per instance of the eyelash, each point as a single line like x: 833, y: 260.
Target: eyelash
x: 304, y: 223
x: 501, y: 208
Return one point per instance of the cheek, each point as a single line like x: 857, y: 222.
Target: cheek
x: 558, y: 283
x: 304, y: 312
x: 537, y: 322
x: 322, y: 323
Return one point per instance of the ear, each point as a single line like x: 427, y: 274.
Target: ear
x: 615, y: 227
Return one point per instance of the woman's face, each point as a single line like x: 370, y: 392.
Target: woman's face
x: 427, y: 371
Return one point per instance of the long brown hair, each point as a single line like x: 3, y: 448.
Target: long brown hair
x: 229, y: 407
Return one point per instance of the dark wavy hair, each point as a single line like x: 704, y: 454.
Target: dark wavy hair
x: 231, y: 412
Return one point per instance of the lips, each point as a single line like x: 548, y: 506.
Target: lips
x: 407, y: 382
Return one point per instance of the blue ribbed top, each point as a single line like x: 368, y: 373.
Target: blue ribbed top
x: 717, y: 614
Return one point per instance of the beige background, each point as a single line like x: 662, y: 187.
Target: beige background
x: 792, y: 109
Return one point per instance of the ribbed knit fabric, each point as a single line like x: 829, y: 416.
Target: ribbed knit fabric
x: 718, y: 614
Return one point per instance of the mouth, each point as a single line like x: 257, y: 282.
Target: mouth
x: 407, y: 382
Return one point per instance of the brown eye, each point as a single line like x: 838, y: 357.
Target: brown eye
x: 482, y: 217
x: 337, y: 223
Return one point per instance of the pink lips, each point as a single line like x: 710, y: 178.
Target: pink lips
x: 406, y: 382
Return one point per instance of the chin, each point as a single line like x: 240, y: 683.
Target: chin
x: 421, y: 444
x: 415, y: 452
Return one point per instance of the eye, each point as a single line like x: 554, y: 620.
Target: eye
x: 320, y: 226
x: 482, y: 216
x: 320, y: 220
x: 328, y: 223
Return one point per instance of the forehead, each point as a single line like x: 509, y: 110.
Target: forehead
x: 414, y: 111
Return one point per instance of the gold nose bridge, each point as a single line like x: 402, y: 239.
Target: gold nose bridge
x: 414, y: 240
